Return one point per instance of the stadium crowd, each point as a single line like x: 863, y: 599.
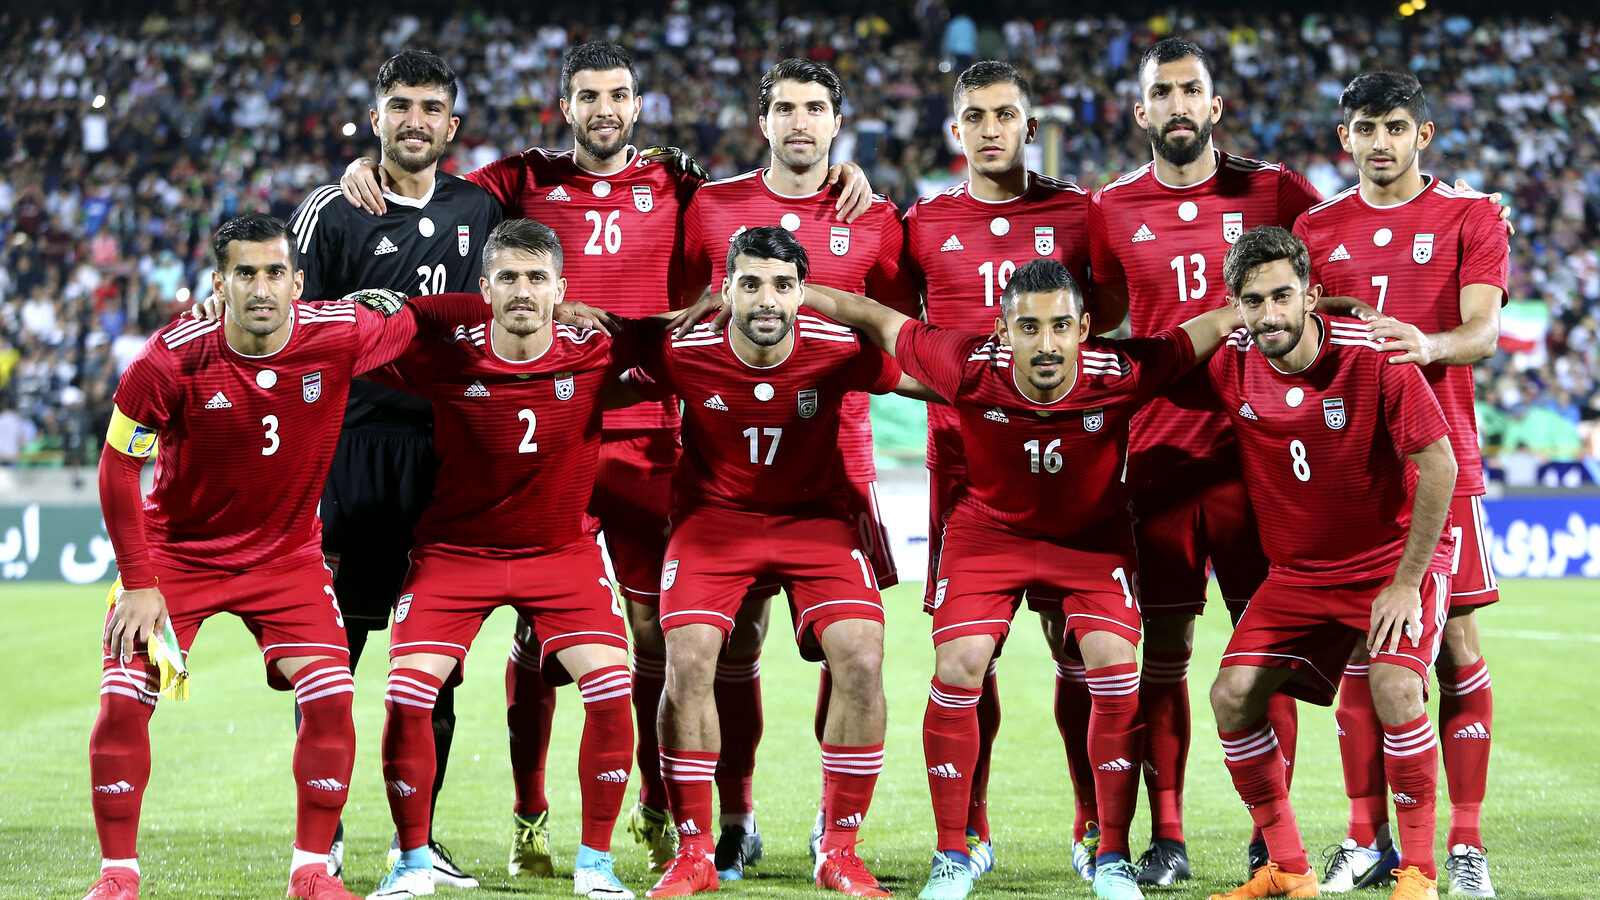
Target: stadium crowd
x: 127, y: 142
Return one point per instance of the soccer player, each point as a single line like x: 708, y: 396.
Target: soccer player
x: 426, y: 242
x: 761, y: 499
x: 963, y: 246
x: 1427, y: 264
x: 1349, y: 466
x: 246, y: 411
x: 798, y: 107
x: 518, y: 400
x: 1043, y: 410
x: 1157, y: 236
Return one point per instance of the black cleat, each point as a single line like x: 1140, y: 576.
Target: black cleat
x: 736, y: 848
x: 1258, y: 855
x: 1165, y: 863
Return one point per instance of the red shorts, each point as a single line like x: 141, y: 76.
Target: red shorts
x: 946, y: 484
x: 862, y: 504
x: 632, y: 497
x: 1312, y: 630
x: 715, y: 555
x: 983, y: 573
x: 1177, y: 534
x: 1472, y: 581
x: 563, y: 592
x: 290, y: 609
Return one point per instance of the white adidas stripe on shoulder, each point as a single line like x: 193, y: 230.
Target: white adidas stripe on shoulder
x: 1336, y: 198
x: 1354, y: 342
x: 1129, y: 178
x: 575, y: 334
x: 1444, y: 190
x: 734, y: 180
x: 184, y: 334
x: 1239, y: 339
x: 807, y: 332
x: 815, y: 322
x: 1250, y: 164
x: 304, y: 224
x: 1059, y: 184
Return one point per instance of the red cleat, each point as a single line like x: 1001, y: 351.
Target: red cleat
x: 843, y: 871
x: 690, y: 872
x: 312, y: 882
x: 116, y: 883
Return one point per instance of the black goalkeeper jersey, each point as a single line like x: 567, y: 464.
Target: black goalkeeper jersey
x: 420, y: 247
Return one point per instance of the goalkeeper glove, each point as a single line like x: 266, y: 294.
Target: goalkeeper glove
x: 384, y: 301
x: 679, y: 160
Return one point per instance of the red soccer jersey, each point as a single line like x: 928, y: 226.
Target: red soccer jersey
x: 1324, y: 452
x: 1167, y: 244
x: 518, y: 442
x: 1048, y: 470
x: 962, y: 251
x: 766, y: 440
x: 1411, y: 261
x: 621, y: 238
x: 863, y: 257
x: 245, y: 441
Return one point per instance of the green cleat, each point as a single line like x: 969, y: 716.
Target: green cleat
x: 951, y: 878
x: 653, y: 828
x: 1084, y: 851
x: 530, y: 847
x: 1117, y: 881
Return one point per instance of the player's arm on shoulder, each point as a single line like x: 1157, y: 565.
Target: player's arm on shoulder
x: 1208, y: 330
x: 855, y: 194
x: 1397, y: 610
x: 1474, y: 340
x: 879, y: 323
x: 362, y: 185
x: 916, y: 390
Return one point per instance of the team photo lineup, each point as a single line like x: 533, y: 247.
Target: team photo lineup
x: 632, y: 403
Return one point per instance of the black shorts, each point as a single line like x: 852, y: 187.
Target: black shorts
x: 379, y: 483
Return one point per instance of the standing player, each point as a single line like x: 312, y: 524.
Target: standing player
x: 247, y: 414
x: 1428, y: 263
x: 426, y: 242
x: 963, y: 246
x: 1350, y: 471
x: 1043, y: 414
x: 761, y: 499
x: 798, y: 103
x: 1157, y: 236
x: 518, y: 403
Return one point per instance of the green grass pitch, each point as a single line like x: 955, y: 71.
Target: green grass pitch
x: 219, y: 812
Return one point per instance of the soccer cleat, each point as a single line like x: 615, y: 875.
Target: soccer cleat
x: 1411, y: 884
x: 1257, y: 856
x: 1084, y: 851
x: 1469, y: 872
x: 1271, y: 881
x: 1352, y: 866
x: 1165, y: 863
x: 336, y: 852
x: 403, y: 882
x: 445, y: 871
x: 736, y: 848
x: 530, y: 847
x: 314, y: 883
x: 690, y: 872
x: 814, y: 846
x: 116, y: 883
x: 653, y: 828
x: 594, y: 876
x: 981, y: 854
x: 951, y: 878
x: 1117, y: 881
x: 843, y: 871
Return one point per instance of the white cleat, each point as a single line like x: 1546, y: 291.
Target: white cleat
x: 1350, y: 866
x: 401, y: 884
x: 1469, y: 872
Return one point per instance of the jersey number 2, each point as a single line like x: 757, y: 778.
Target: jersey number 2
x: 528, y: 445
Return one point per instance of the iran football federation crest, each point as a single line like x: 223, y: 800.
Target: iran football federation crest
x: 938, y: 593
x: 1422, y: 248
x: 1232, y: 227
x: 643, y: 200
x: 463, y: 239
x: 669, y: 574
x: 1044, y: 240
x: 808, y: 403
x: 311, y: 387
x: 839, y: 240
x: 563, y: 385
x: 1333, y: 412
x: 402, y: 608
x: 1094, y: 419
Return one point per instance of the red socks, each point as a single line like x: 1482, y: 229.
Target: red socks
x: 1360, y: 735
x: 687, y: 775
x: 1466, y: 715
x: 325, y: 752
x: 851, y: 775
x: 408, y: 753
x: 530, y: 709
x: 988, y: 727
x: 1072, y: 720
x: 649, y: 680
x: 1164, y: 703
x: 119, y: 757
x: 950, y: 748
x: 1257, y: 767
x: 738, y: 697
x: 605, y: 752
x: 1116, y: 749
x: 1412, y: 766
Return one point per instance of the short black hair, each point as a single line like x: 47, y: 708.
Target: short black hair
x: 522, y: 234
x: 805, y: 71
x: 415, y: 68
x: 985, y: 72
x: 769, y: 242
x: 1041, y: 276
x: 1376, y: 93
x: 1262, y: 245
x: 1171, y: 50
x: 596, y: 56
x: 251, y: 228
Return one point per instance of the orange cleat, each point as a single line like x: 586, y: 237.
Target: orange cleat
x: 312, y: 882
x: 116, y: 883
x: 843, y: 871
x: 690, y: 872
x: 1411, y: 884
x: 1271, y: 881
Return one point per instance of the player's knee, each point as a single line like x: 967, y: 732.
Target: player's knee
x: 964, y: 661
x: 1396, y: 693
x: 1230, y: 699
x: 1169, y: 634
x: 692, y: 653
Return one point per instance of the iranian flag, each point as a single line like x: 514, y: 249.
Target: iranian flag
x: 1523, y: 325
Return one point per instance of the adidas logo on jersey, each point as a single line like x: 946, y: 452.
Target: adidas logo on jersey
x: 218, y: 402
x: 476, y: 390
x: 1245, y: 412
x: 1116, y: 765
x: 944, y: 770
x: 1143, y: 234
x: 995, y: 415
x: 385, y: 247
x: 560, y: 193
x: 1403, y: 799
x: 1475, y: 730
x: 1338, y: 253
x: 716, y: 403
x: 121, y: 787
x: 615, y: 776
x: 951, y: 243
x: 400, y: 788
x: 327, y: 784
x: 851, y: 821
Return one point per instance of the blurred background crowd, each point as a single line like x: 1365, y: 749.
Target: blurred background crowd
x: 124, y: 142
